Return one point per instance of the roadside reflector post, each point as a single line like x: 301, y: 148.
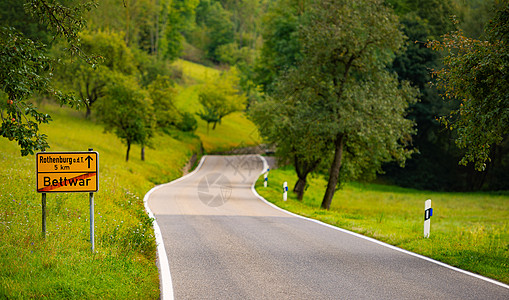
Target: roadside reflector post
x: 285, y: 191
x: 428, y: 212
x: 266, y: 178
x: 43, y: 203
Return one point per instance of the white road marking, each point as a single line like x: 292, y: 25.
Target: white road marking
x: 166, y: 285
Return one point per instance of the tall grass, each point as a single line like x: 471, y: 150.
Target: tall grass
x: 468, y: 230
x: 62, y: 265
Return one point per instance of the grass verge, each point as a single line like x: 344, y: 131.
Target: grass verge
x: 468, y: 230
x: 61, y: 266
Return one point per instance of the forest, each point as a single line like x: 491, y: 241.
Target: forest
x: 113, y: 58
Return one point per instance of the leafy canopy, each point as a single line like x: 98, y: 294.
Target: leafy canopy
x: 25, y: 69
x: 477, y: 73
x: 221, y: 96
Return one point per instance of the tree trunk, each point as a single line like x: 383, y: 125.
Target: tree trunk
x: 143, y: 153
x: 87, y: 115
x: 299, y: 188
x: 303, y: 169
x: 128, y: 149
x: 334, y: 172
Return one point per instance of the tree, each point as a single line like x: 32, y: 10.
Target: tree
x: 433, y: 168
x: 26, y: 70
x: 346, y: 46
x: 126, y: 110
x: 163, y: 94
x: 289, y: 119
x: 476, y: 73
x: 221, y: 97
x: 176, y: 16
x: 90, y: 83
x: 281, y: 48
x: 213, y: 29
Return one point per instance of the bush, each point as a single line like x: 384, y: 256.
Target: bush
x: 188, y: 123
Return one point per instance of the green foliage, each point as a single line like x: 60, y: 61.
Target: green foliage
x: 213, y: 29
x: 188, y: 123
x: 433, y: 167
x: 150, y: 67
x: 162, y: 93
x: 26, y: 70
x: 340, y: 82
x: 281, y: 47
x: 23, y: 72
x: 176, y: 16
x: 235, y: 130
x: 221, y: 97
x: 476, y: 72
x: 66, y: 21
x: 437, y: 13
x: 90, y: 83
x: 13, y: 14
x: 475, y: 14
x: 127, y: 111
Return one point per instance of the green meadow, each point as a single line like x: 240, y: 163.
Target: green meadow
x: 225, y: 136
x: 468, y: 230
x: 62, y: 266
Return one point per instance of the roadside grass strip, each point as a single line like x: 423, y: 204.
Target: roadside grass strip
x: 469, y: 231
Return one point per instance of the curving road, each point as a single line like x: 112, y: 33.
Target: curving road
x: 223, y: 242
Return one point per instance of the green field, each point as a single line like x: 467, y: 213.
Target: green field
x: 468, y: 230
x: 225, y: 136
x: 61, y: 266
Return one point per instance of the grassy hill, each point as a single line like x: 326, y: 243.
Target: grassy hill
x: 235, y: 129
x: 123, y: 265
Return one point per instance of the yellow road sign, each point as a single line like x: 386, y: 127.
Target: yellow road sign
x: 67, y: 172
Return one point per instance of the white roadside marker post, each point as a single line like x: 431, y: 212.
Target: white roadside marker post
x: 266, y: 177
x: 285, y: 191
x: 428, y: 212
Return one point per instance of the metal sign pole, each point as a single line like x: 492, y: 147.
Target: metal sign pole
x: 43, y: 215
x: 92, y: 220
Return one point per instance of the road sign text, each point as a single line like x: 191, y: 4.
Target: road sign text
x: 67, y: 172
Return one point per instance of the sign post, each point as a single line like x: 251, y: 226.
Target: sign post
x: 92, y: 235
x: 68, y: 172
x: 285, y: 191
x: 43, y: 200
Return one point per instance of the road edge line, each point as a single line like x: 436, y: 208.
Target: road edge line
x: 493, y: 281
x: 165, y: 282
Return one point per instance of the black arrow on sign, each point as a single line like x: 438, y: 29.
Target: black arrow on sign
x: 89, y: 158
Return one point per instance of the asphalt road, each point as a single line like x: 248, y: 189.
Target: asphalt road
x: 222, y: 242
